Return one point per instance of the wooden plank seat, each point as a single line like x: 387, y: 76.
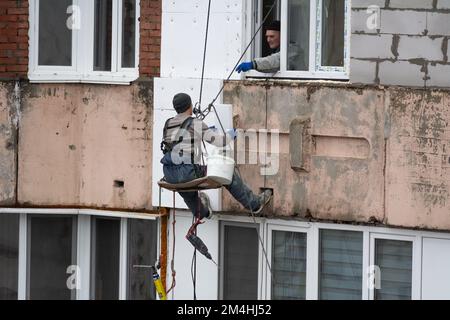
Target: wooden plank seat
x: 204, y: 183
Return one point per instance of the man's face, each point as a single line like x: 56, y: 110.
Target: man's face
x: 273, y: 39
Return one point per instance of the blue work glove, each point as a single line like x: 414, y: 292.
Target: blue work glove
x: 232, y: 133
x: 245, y: 66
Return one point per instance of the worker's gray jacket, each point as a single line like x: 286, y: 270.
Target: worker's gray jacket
x: 269, y: 64
x: 193, y: 136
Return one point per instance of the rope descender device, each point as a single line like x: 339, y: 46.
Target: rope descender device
x: 202, y: 114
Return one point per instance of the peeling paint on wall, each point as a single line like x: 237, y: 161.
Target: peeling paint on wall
x: 73, y: 146
x: 8, y: 145
x: 418, y: 177
x: 405, y: 184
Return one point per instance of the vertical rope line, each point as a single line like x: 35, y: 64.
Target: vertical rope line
x: 204, y: 54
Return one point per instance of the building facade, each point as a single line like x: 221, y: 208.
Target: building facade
x: 76, y: 219
x: 352, y: 135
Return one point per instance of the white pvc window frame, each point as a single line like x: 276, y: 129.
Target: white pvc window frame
x: 243, y: 223
x: 268, y: 277
x: 316, y: 69
x: 83, y: 246
x: 82, y: 69
x: 312, y: 230
x: 416, y: 260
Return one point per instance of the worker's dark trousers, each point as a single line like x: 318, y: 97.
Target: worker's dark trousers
x: 187, y: 172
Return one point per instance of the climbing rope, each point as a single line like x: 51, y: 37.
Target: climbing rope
x: 196, y: 219
x: 172, y: 262
x: 204, y: 52
x: 202, y: 114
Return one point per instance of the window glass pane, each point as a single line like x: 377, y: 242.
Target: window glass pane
x: 288, y: 266
x: 240, y: 278
x: 51, y: 251
x: 142, y: 248
x: 9, y: 255
x: 105, y: 259
x: 394, y: 258
x: 340, y: 268
x: 333, y: 22
x: 103, y: 35
x: 55, y: 38
x: 298, y: 35
x: 128, y: 33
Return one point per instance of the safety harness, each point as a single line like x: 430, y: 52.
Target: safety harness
x: 169, y: 146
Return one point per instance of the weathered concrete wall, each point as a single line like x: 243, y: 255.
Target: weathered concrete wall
x: 368, y: 154
x: 376, y: 155
x: 8, y: 146
x: 88, y: 146
x: 418, y: 165
x: 336, y: 185
x: 400, y: 42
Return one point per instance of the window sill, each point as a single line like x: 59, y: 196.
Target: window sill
x: 298, y: 75
x: 117, y: 79
x: 80, y: 212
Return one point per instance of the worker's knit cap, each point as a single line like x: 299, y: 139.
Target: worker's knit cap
x: 274, y: 26
x: 181, y: 102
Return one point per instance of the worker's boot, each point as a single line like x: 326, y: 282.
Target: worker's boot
x: 264, y: 199
x: 206, y: 203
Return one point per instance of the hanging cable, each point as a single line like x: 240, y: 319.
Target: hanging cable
x: 194, y: 258
x: 194, y: 269
x: 259, y: 235
x: 172, y: 262
x: 204, y: 53
x: 245, y: 52
x: 201, y: 114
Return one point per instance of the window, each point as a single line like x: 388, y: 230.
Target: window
x: 394, y: 259
x: 340, y: 265
x: 288, y: 265
x: 72, y: 254
x: 315, y: 37
x: 84, y: 41
x: 9, y: 256
x: 239, y: 267
x: 105, y: 259
x: 51, y: 251
x: 142, y: 235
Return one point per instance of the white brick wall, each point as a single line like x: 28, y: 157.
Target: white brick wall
x: 367, y: 3
x: 422, y: 28
x: 372, y: 46
x: 438, y: 24
x: 362, y: 71
x: 411, y: 4
x: 401, y: 73
x: 359, y: 22
x: 403, y: 22
x: 413, y: 47
x: 439, y: 76
x: 443, y: 4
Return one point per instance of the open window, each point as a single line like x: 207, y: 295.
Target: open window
x: 315, y: 37
x: 95, y: 41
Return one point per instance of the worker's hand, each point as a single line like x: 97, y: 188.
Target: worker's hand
x: 245, y: 66
x: 232, y: 133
